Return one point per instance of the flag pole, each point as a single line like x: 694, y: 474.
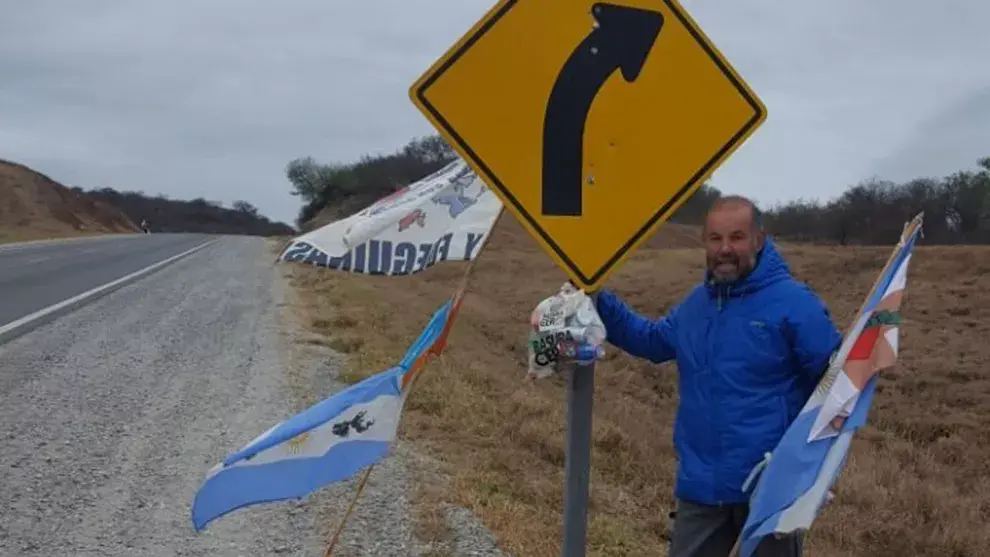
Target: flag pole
x: 465, y: 280
x: 909, y: 229
x: 469, y: 271
x: 347, y: 514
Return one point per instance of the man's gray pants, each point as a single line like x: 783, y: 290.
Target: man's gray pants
x: 703, y: 531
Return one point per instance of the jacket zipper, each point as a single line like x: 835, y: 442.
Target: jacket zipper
x: 723, y: 298
x: 713, y: 385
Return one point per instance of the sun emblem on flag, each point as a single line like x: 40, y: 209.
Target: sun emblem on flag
x: 296, y: 444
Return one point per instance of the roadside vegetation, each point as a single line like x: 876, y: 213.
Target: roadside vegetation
x: 918, y: 479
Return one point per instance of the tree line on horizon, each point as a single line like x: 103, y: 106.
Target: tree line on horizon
x: 194, y: 216
x: 956, y: 208
x: 873, y: 211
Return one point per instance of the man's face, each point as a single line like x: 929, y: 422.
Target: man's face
x: 731, y: 243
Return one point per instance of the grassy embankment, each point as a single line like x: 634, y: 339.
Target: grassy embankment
x: 918, y: 479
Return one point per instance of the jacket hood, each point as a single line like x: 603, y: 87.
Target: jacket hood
x: 770, y: 268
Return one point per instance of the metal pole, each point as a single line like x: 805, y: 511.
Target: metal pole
x: 580, y: 395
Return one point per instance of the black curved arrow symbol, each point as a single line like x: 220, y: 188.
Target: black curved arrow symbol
x: 621, y: 41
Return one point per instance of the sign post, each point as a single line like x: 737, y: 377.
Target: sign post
x: 577, y: 464
x: 593, y: 122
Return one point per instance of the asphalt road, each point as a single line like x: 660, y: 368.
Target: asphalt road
x: 37, y: 275
x: 112, y: 414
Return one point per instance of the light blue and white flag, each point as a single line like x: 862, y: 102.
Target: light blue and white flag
x: 797, y: 476
x: 327, y: 443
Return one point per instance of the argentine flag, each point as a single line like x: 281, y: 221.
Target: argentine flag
x: 327, y: 443
x: 797, y: 477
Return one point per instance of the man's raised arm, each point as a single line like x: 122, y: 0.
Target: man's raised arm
x: 635, y: 334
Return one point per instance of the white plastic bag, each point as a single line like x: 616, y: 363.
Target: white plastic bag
x: 566, y: 327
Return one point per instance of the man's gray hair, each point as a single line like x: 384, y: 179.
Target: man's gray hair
x: 740, y: 200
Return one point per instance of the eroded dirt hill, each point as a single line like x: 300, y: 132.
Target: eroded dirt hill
x: 33, y: 205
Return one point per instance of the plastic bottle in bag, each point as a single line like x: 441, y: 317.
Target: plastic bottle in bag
x: 566, y: 327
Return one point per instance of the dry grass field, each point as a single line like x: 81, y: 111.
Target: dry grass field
x: 918, y: 478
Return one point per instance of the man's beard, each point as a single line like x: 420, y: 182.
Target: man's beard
x: 734, y: 273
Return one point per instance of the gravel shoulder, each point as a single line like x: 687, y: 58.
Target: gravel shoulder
x: 112, y: 415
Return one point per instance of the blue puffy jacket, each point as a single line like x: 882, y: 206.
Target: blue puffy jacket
x: 748, y: 356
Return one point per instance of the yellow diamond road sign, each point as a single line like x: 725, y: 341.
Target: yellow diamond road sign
x: 592, y: 121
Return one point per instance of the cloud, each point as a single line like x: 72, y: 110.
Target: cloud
x: 848, y: 84
x: 212, y: 99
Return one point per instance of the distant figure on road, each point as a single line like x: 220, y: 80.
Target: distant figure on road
x: 144, y: 226
x: 750, y: 343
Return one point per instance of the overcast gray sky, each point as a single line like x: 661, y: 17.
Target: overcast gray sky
x: 212, y: 98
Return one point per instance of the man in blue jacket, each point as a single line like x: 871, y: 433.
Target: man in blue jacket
x: 750, y: 343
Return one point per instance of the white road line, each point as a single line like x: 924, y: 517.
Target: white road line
x: 16, y: 327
